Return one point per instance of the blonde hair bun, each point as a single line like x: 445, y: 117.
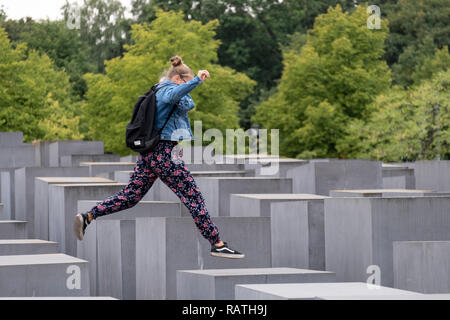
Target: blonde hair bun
x: 176, y: 61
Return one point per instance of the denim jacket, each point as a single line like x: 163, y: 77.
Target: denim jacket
x: 178, y: 128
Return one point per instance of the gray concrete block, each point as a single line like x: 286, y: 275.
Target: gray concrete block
x: 432, y: 174
x: 417, y: 296
x: 7, y: 193
x: 58, y: 149
x: 386, y: 193
x: 422, y: 266
x: 43, y: 275
x: 24, y: 190
x: 10, y: 139
x: 27, y: 246
x: 397, y: 176
x: 17, y: 156
x: 12, y: 229
x: 159, y: 253
x: 131, y: 158
x: 59, y: 298
x: 359, y: 232
x: 218, y: 284
x: 277, y: 167
x: 124, y: 176
x: 63, y: 208
x: 107, y: 169
x: 319, y: 177
x: 314, y: 291
x: 41, y: 189
x: 74, y: 160
x: 215, y: 167
x: 116, y: 250
x: 298, y: 233
x: 217, y: 190
x: 87, y: 249
x: 42, y: 153
x: 258, y: 204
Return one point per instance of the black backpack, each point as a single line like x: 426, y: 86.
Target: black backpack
x: 141, y: 134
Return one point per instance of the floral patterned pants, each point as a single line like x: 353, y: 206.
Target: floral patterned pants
x: 160, y: 164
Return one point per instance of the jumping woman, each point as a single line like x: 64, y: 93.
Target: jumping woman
x: 158, y: 163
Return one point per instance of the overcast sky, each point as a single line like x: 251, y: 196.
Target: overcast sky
x: 39, y: 9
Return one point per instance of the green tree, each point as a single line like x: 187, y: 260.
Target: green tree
x: 251, y: 32
x: 405, y: 124
x: 34, y: 96
x: 103, y: 27
x: 62, y: 44
x: 111, y: 97
x: 333, y: 78
x: 416, y: 28
x: 2, y: 15
x: 432, y: 65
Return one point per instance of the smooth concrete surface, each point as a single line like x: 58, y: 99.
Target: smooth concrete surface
x: 43, y: 275
x: 319, y: 177
x: 397, y: 176
x: 277, y: 167
x: 385, y: 193
x: 10, y: 139
x: 165, y: 245
x: 218, y: 284
x: 215, y: 167
x: 42, y: 153
x: 24, y: 190
x: 63, y: 208
x: 432, y: 174
x: 58, y: 149
x: 258, y: 204
x: 417, y: 296
x: 17, y: 156
x: 217, y: 190
x: 13, y: 229
x: 59, y: 298
x: 27, y: 246
x: 314, y: 291
x: 298, y: 233
x: 74, y: 160
x: 422, y: 266
x: 132, y: 158
x: 359, y: 232
x: 7, y: 193
x: 41, y: 197
x: 116, y: 258
x: 107, y: 169
x: 87, y: 249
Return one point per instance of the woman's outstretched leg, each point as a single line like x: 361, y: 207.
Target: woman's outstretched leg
x: 178, y: 178
x: 140, y: 183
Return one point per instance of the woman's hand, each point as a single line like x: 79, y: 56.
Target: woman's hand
x: 203, y: 74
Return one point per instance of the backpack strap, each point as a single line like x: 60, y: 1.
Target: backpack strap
x: 167, y: 120
x: 156, y: 88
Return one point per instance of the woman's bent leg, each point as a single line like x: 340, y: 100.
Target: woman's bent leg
x: 178, y: 178
x: 140, y: 182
